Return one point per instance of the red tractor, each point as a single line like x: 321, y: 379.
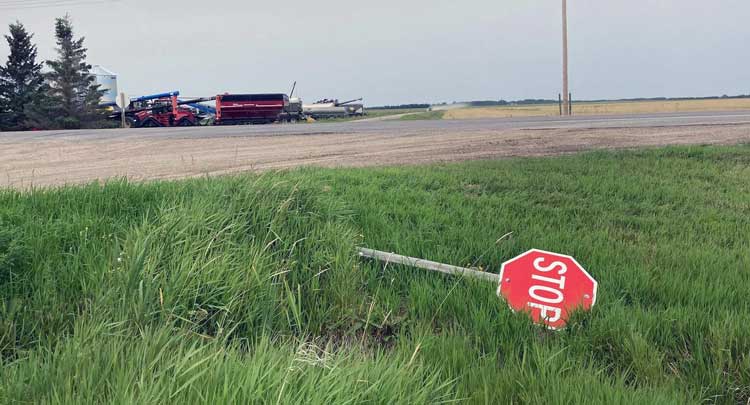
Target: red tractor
x: 159, y: 110
x: 165, y: 113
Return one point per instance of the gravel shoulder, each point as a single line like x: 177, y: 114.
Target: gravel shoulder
x: 74, y: 159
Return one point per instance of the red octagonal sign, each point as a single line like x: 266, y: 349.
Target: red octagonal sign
x: 549, y: 286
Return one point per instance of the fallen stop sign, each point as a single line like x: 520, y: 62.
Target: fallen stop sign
x: 548, y: 286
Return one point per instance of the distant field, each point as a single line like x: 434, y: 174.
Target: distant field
x: 426, y: 115
x: 376, y: 113
x: 624, y: 107
x: 246, y: 289
x: 372, y: 112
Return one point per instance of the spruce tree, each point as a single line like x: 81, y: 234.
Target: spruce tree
x: 72, y: 89
x: 21, y: 79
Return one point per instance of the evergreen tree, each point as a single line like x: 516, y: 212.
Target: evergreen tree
x: 73, y: 93
x: 21, y: 79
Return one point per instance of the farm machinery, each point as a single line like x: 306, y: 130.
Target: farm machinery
x: 161, y: 110
x: 249, y: 108
x: 167, y: 110
x: 334, y: 109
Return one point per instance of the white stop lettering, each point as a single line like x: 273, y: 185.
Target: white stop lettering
x: 558, y: 296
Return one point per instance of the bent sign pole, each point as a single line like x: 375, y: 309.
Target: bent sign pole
x: 426, y: 264
x: 548, y: 286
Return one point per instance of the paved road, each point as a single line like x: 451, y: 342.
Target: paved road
x: 406, y: 127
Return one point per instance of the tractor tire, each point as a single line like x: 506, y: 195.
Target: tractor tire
x: 150, y: 123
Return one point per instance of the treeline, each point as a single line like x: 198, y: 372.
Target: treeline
x: 400, y: 107
x: 54, y: 94
x: 533, y: 101
x: 488, y: 103
x: 724, y: 97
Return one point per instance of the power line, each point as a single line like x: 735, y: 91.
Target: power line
x: 25, y: 2
x: 36, y: 2
x: 31, y: 4
x: 46, y: 4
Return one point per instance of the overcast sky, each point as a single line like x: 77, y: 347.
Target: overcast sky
x: 409, y: 50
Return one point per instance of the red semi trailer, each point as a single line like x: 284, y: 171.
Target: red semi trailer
x: 249, y: 108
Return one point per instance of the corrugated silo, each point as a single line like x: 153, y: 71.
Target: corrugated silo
x: 107, y: 80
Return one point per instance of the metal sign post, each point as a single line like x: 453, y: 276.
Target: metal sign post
x: 427, y: 264
x: 121, y: 102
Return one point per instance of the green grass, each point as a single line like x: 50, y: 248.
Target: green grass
x: 428, y: 115
x: 246, y: 289
x: 375, y: 113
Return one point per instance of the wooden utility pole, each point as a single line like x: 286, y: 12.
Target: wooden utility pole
x: 565, y: 91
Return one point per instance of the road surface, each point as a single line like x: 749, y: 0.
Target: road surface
x: 63, y: 157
